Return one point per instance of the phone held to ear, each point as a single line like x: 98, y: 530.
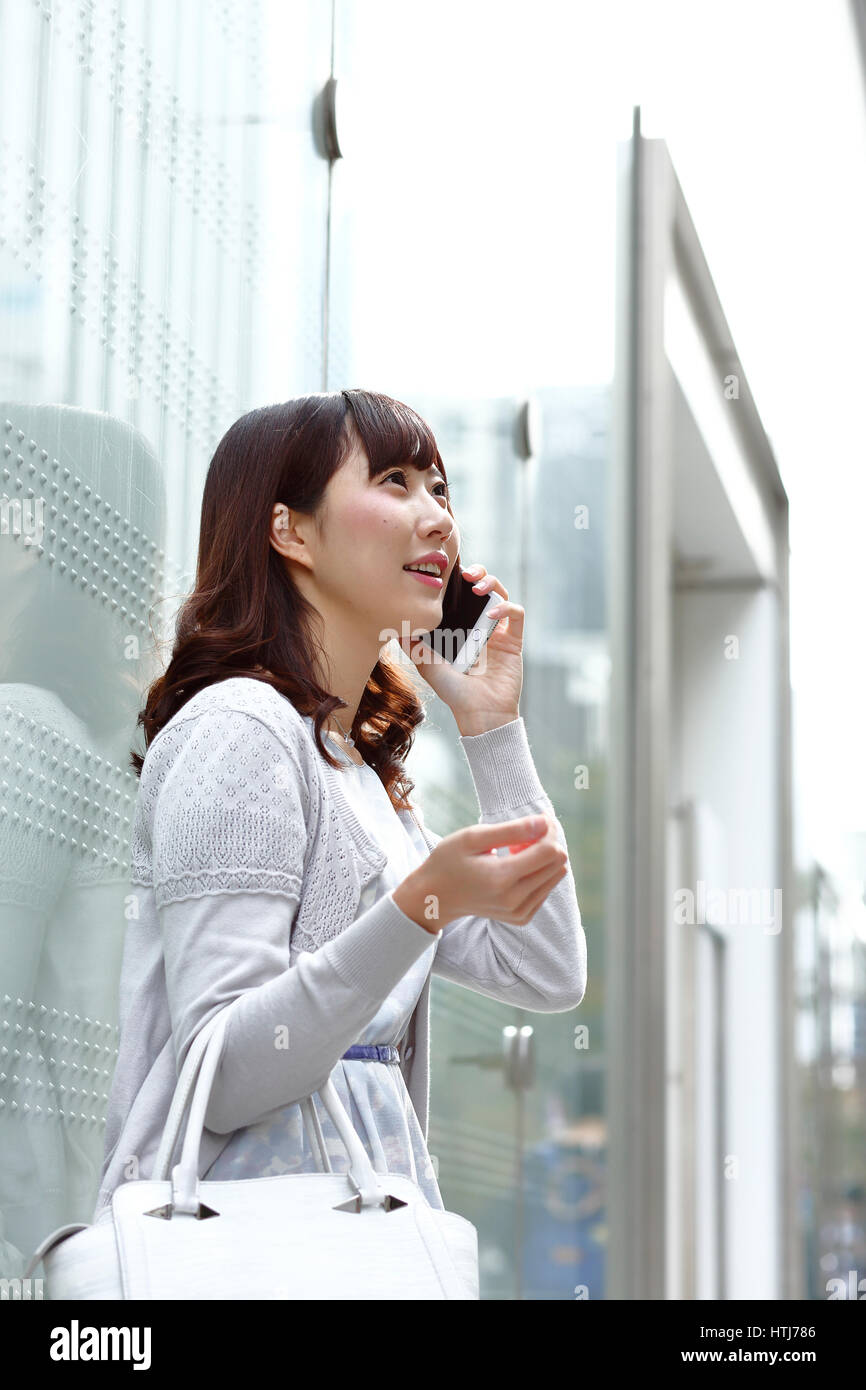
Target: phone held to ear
x: 464, y: 630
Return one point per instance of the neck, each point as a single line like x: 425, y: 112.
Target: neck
x: 348, y: 655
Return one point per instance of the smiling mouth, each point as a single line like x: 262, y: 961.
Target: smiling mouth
x: 430, y: 579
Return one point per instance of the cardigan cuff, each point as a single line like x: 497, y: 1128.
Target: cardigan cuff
x: 502, y: 768
x: 379, y: 947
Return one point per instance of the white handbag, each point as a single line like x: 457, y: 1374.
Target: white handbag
x: 324, y: 1235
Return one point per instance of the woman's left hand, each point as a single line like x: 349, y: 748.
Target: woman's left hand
x: 488, y: 694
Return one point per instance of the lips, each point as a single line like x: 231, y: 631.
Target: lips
x: 431, y: 580
x: 433, y: 557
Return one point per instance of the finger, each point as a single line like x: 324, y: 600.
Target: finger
x: 531, y: 883
x: 489, y: 585
x: 520, y: 916
x: 539, y: 854
x: 515, y: 614
x: 530, y: 844
x: 551, y: 859
x: 485, y: 837
x: 532, y: 902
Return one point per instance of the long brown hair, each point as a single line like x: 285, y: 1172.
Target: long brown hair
x: 246, y: 616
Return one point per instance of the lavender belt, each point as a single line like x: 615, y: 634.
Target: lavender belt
x: 371, y: 1052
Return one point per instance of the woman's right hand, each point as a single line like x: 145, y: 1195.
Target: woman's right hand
x: 463, y: 876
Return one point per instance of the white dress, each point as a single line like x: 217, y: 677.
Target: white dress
x: 374, y: 1093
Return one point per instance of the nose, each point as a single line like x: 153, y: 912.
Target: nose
x: 441, y: 525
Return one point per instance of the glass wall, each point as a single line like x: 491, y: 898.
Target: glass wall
x: 163, y: 215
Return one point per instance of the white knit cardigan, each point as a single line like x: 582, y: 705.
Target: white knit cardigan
x: 247, y: 866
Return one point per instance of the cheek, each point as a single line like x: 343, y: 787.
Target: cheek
x: 389, y: 516
x: 374, y: 520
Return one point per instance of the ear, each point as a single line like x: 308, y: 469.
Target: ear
x: 283, y: 534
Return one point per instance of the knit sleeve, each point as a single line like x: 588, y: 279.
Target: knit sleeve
x: 229, y: 816
x: 540, y: 966
x: 230, y: 845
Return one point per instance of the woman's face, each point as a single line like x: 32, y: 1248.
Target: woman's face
x: 369, y: 529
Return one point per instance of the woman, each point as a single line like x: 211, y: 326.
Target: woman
x: 275, y: 851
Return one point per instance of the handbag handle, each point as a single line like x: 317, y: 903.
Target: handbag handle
x: 180, y: 1099
x: 205, y: 1061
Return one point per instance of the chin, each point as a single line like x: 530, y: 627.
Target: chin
x: 422, y: 617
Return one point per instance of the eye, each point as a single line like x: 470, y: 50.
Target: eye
x: 400, y: 474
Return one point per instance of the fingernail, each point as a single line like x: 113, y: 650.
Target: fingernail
x: 537, y: 824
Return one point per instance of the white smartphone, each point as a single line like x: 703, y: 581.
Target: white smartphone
x: 464, y: 630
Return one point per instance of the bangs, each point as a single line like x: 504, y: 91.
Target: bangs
x: 392, y: 433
